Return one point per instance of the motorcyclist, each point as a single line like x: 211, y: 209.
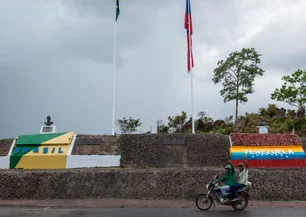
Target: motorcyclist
x: 229, y: 179
x: 242, y: 180
x: 243, y: 174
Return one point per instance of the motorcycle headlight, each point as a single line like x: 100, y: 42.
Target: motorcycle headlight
x: 207, y: 187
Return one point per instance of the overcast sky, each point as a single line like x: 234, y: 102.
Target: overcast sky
x: 56, y: 59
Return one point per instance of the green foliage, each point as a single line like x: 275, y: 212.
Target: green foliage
x: 128, y: 125
x: 262, y: 111
x: 271, y: 110
x: 202, y: 114
x: 237, y: 74
x: 177, y: 122
x: 227, y: 129
x: 293, y: 91
x: 277, y: 124
x: 229, y: 119
x: 161, y: 127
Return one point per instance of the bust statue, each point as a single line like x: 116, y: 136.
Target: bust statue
x: 262, y: 123
x: 49, y: 122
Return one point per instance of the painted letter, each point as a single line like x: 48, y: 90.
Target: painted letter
x: 45, y: 150
x: 290, y: 151
x: 16, y: 150
x: 35, y: 150
x: 60, y: 150
x: 53, y: 150
x: 25, y: 150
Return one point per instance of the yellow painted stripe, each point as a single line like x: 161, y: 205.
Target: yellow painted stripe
x: 50, y: 160
x: 265, y: 148
x: 63, y: 139
x: 42, y: 162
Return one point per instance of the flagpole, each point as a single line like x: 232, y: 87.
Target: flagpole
x: 114, y: 79
x: 191, y: 76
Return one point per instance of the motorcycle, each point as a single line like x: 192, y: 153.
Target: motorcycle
x: 214, y: 194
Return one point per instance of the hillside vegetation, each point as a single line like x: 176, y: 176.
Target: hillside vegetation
x: 279, y: 120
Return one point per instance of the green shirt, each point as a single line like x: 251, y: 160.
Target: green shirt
x: 229, y: 178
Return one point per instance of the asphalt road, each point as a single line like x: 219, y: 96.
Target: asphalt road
x: 149, y: 212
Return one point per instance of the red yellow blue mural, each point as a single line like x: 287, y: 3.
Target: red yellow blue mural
x: 267, y: 150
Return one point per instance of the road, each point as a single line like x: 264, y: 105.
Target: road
x: 149, y: 212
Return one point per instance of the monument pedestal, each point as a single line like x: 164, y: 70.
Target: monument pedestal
x: 47, y: 129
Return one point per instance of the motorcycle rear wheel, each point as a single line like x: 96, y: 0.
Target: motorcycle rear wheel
x: 242, y: 199
x: 200, y: 200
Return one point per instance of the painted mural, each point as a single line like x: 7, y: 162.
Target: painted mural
x: 41, y: 151
x: 267, y: 150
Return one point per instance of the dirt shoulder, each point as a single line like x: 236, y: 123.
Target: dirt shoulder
x: 118, y: 203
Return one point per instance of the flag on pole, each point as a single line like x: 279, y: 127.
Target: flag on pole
x: 188, y: 27
x: 117, y: 10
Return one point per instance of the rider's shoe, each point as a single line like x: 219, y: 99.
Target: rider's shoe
x: 235, y: 199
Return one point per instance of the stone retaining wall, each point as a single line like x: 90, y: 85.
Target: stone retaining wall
x: 96, y: 145
x: 171, y: 183
x: 5, y: 145
x: 174, y: 150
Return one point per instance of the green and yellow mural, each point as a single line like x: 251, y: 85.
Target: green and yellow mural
x: 41, y: 151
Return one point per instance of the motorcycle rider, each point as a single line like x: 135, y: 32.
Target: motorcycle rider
x: 243, y: 174
x: 243, y: 180
x: 229, y: 179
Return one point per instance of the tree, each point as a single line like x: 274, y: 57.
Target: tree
x: 229, y: 119
x: 161, y: 127
x: 237, y: 74
x: 177, y: 122
x: 202, y: 114
x: 128, y: 125
x: 293, y: 91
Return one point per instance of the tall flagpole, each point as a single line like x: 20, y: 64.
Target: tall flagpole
x: 114, y: 77
x: 190, y: 62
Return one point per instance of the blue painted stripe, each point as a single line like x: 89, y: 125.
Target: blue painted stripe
x: 248, y: 154
x: 240, y: 156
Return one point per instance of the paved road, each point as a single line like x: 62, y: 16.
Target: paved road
x: 149, y: 212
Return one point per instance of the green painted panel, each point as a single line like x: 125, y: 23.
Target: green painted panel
x: 18, y: 153
x: 36, y: 139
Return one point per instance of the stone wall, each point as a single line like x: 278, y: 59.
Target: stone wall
x: 303, y: 140
x: 171, y: 183
x: 5, y: 145
x: 174, y: 150
x: 96, y: 145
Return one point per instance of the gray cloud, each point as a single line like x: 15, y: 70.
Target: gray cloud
x: 56, y: 59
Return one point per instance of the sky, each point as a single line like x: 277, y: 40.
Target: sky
x: 56, y: 58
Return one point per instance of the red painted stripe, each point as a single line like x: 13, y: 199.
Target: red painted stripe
x: 273, y: 163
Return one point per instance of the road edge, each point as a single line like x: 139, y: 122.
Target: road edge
x: 129, y: 203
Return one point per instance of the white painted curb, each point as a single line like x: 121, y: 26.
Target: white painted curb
x: 4, y: 162
x: 86, y: 161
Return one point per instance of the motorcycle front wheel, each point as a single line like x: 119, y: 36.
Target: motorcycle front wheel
x: 242, y: 202
x: 203, y: 204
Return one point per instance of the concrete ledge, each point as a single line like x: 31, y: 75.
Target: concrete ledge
x: 4, y: 162
x: 147, y: 184
x: 85, y: 161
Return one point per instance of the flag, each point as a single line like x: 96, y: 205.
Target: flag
x: 117, y: 10
x: 188, y: 26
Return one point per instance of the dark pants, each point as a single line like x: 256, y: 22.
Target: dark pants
x: 234, y: 188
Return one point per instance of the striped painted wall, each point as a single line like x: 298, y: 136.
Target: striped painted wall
x: 48, y: 151
x: 51, y: 151
x: 267, y: 150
